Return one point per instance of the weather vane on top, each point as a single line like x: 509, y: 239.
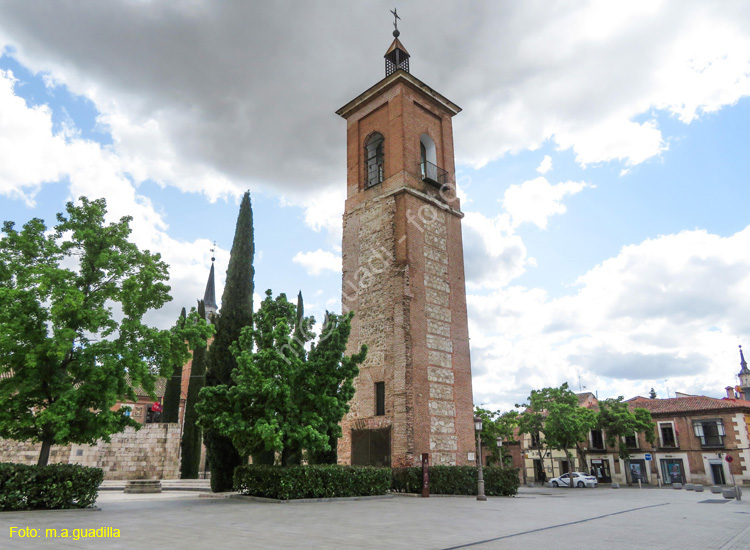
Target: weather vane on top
x: 395, y: 22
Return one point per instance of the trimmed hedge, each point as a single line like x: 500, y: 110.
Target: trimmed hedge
x: 56, y: 486
x: 311, y: 481
x: 457, y: 480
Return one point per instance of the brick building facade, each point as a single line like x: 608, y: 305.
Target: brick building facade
x: 694, y: 435
x: 403, y: 276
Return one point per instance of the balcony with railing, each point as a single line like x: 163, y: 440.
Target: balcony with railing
x: 433, y: 174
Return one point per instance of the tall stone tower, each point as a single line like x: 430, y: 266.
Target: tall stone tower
x: 403, y: 276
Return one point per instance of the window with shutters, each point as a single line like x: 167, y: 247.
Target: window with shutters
x: 710, y: 432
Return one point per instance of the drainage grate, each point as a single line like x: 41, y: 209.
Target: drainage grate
x: 713, y: 501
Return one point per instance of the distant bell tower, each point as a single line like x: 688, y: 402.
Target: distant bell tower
x: 209, y: 296
x: 403, y: 276
x: 744, y: 376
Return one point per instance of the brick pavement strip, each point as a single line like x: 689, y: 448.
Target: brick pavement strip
x: 537, y: 518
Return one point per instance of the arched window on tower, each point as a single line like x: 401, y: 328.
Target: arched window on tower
x: 428, y: 159
x: 374, y: 159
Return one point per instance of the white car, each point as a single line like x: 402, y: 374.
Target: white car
x: 579, y: 479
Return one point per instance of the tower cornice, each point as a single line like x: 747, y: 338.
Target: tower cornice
x: 397, y: 77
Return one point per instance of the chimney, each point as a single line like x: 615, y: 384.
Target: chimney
x: 730, y: 392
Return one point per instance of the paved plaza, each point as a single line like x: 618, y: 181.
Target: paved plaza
x: 539, y: 518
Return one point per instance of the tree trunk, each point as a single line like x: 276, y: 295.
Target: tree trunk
x: 544, y: 470
x: 44, y: 453
x: 572, y: 482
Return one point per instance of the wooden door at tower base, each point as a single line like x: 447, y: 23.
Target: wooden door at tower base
x: 371, y: 447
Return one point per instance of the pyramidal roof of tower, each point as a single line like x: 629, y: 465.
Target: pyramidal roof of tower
x: 209, y: 297
x: 396, y: 44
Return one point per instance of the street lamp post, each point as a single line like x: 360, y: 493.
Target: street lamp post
x: 480, y: 476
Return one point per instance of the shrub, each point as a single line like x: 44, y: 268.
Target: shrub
x: 311, y: 481
x: 55, y: 486
x: 406, y: 480
x: 457, y: 480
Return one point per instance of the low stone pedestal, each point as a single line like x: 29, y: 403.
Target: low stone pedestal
x: 529, y: 484
x: 729, y: 493
x: 615, y: 485
x: 676, y: 485
x: 139, y: 486
x: 689, y: 487
x: 699, y: 488
x: 716, y: 489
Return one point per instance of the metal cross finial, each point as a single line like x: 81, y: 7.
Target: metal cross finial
x: 212, y: 251
x: 395, y: 22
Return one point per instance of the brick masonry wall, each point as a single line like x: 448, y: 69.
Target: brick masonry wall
x: 149, y: 453
x: 403, y: 275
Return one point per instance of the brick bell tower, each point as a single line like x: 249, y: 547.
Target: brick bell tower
x: 403, y: 276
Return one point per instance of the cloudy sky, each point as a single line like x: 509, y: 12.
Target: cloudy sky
x: 602, y: 152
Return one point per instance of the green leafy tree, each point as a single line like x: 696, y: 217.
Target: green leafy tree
x: 618, y: 422
x: 497, y: 426
x: 567, y: 423
x: 236, y: 313
x: 553, y: 414
x: 531, y: 423
x: 173, y: 389
x: 66, y: 358
x: 285, y: 398
x: 191, y: 433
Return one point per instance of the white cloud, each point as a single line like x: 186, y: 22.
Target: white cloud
x: 545, y: 166
x: 318, y: 261
x: 31, y: 155
x: 323, y: 210
x: 586, y: 74
x: 613, y: 139
x: 188, y: 107
x: 536, y: 200
x: 667, y: 308
x: 493, y: 254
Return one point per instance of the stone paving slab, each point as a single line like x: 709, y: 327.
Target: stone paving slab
x: 541, y: 518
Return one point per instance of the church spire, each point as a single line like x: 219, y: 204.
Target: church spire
x: 209, y: 297
x: 744, y: 376
x: 396, y: 57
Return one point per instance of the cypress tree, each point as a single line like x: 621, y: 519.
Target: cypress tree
x: 173, y: 389
x: 236, y: 313
x: 191, y: 432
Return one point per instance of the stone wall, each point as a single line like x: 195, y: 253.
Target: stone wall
x: 153, y: 452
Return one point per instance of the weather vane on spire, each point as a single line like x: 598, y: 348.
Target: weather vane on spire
x: 395, y: 22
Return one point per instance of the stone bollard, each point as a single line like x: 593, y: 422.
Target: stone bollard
x: 728, y: 493
x: 141, y: 486
x: 529, y: 484
x: 716, y: 489
x: 699, y: 488
x: 615, y: 485
x: 676, y: 485
x: 689, y: 487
